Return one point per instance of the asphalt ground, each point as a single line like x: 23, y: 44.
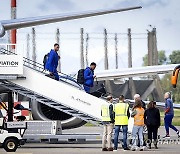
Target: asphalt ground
x: 165, y: 146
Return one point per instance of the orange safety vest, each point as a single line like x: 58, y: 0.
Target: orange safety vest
x: 139, y: 117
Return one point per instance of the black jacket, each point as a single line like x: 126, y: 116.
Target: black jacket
x: 143, y: 104
x: 111, y: 113
x: 152, y: 117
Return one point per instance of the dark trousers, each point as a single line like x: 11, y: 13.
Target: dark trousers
x: 87, y: 88
x: 168, y: 123
x: 56, y: 76
x: 152, y: 132
x: 1, y: 115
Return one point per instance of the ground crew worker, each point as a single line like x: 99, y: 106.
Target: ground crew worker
x: 138, y: 114
x: 169, y: 114
x: 137, y: 97
x: 108, y: 122
x: 121, y: 111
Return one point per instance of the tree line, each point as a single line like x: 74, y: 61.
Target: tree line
x: 173, y: 58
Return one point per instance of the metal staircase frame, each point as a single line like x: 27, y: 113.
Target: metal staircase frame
x: 43, y: 99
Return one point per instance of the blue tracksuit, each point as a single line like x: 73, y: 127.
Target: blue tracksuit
x: 169, y: 116
x: 52, y: 63
x: 88, y: 79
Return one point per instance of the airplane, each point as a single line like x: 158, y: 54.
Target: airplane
x: 39, y: 109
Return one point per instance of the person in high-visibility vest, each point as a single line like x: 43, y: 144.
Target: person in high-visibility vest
x: 137, y: 97
x: 137, y: 132
x: 108, y: 122
x: 121, y: 110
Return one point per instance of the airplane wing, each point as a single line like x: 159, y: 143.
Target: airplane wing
x: 133, y: 72
x: 34, y: 21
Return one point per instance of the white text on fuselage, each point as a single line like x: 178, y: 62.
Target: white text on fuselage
x: 9, y: 63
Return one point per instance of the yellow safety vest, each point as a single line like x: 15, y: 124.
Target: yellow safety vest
x: 139, y: 117
x: 120, y: 110
x: 105, y: 112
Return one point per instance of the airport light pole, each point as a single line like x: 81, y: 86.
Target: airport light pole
x: 129, y: 49
x: 59, y: 53
x: 87, y: 47
x: 82, y: 48
x: 106, y: 64
x: 28, y: 47
x: 13, y: 31
x: 152, y: 48
x: 34, y: 55
x: 131, y: 81
x: 116, y: 49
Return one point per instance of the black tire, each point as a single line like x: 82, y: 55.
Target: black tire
x: 10, y: 145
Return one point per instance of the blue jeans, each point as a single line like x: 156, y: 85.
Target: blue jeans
x: 137, y: 132
x: 116, y: 135
x: 168, y: 123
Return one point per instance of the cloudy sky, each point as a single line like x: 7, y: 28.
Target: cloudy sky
x: 163, y: 14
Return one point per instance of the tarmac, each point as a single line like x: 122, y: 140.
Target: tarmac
x: 165, y: 146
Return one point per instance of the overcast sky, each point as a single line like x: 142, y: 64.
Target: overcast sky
x: 163, y: 14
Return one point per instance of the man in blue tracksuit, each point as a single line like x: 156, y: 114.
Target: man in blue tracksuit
x: 52, y: 62
x: 169, y: 114
x: 89, y: 77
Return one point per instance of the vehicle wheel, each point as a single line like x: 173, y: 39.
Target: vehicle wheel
x: 10, y: 145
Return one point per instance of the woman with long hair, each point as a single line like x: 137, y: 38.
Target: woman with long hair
x: 137, y: 132
x: 152, y: 121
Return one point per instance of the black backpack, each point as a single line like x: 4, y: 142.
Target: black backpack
x: 80, y: 76
x: 45, y: 59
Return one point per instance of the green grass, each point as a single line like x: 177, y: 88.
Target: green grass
x: 89, y: 125
x: 177, y: 102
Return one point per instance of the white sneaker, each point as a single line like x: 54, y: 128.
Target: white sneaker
x: 141, y: 148
x: 144, y: 148
x: 178, y: 133
x: 114, y: 150
x: 166, y: 137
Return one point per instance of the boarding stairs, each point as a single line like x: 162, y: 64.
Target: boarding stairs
x: 60, y: 95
